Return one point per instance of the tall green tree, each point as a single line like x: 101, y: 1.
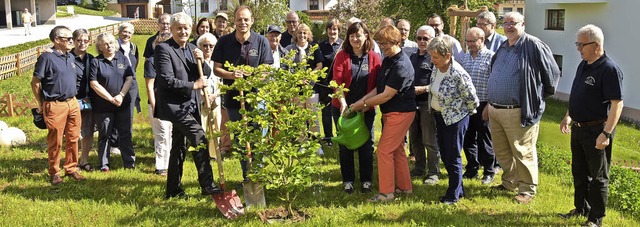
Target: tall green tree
x: 265, y: 12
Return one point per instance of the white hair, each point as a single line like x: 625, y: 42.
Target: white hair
x: 125, y: 25
x: 594, y: 33
x: 515, y: 15
x: 427, y: 29
x: 352, y: 21
x: 477, y: 31
x: 207, y: 36
x: 181, y: 18
x: 488, y: 15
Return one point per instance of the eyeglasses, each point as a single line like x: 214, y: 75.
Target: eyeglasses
x: 82, y: 41
x: 434, y: 25
x: 471, y: 40
x: 510, y: 24
x: 582, y: 45
x: 385, y: 43
x: 208, y: 46
x: 292, y: 21
x: 482, y: 24
x: 423, y: 38
x: 68, y: 39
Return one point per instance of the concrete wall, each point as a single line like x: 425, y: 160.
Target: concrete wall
x: 46, y: 9
x: 621, y: 41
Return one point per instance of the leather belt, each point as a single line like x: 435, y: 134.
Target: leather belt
x: 59, y: 100
x: 589, y: 123
x: 500, y: 106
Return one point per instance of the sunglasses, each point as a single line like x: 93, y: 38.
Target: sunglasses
x: 423, y: 38
x: 68, y: 39
x: 208, y: 46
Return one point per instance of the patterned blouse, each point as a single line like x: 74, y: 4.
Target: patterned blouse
x: 457, y: 94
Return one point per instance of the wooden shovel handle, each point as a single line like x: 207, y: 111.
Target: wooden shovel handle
x: 204, y: 90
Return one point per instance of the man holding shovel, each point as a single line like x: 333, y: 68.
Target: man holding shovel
x: 177, y: 82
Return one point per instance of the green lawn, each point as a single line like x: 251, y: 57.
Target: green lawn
x: 126, y: 198
x: 86, y: 11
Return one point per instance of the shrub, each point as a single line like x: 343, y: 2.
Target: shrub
x: 624, y: 188
x: 100, y: 5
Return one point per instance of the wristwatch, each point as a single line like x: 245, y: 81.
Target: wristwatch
x: 364, y: 103
x: 606, y: 134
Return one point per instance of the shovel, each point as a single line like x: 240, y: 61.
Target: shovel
x: 253, y: 191
x: 227, y: 202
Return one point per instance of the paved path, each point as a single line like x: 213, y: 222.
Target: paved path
x: 16, y: 35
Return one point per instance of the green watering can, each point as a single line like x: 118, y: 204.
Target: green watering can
x: 352, y: 131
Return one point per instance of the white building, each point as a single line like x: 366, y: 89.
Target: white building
x: 556, y: 22
x: 312, y: 4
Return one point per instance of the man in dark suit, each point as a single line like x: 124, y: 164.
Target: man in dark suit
x: 177, y: 82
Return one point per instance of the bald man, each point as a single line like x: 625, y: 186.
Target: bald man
x: 292, y: 21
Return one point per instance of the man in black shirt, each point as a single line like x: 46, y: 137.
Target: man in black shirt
x: 595, y: 105
x: 292, y: 21
x: 55, y: 84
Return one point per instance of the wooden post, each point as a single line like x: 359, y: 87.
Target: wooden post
x: 18, y: 63
x: 10, y: 104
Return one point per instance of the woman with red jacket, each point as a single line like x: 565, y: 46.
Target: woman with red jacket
x: 356, y: 66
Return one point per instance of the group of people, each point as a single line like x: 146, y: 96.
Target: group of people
x: 487, y: 101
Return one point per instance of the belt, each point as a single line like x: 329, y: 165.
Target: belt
x: 589, y: 123
x: 500, y: 106
x: 59, y: 100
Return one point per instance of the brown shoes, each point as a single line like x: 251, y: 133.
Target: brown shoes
x: 55, y: 180
x: 75, y: 176
x: 523, y: 198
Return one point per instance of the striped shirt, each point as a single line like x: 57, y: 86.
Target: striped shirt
x: 505, y: 79
x: 479, y: 69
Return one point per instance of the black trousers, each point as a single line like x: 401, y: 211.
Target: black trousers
x: 365, y: 152
x: 327, y: 124
x: 478, y: 148
x: 187, y: 131
x: 590, y: 169
x: 108, y: 122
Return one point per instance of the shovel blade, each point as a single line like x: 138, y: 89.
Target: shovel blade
x: 254, y: 194
x: 229, y: 204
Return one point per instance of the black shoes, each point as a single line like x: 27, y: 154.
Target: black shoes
x: 210, y: 190
x: 470, y: 175
x: 574, y: 213
x: 487, y: 179
x: 348, y: 187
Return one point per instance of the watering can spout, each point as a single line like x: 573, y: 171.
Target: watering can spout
x: 340, y: 139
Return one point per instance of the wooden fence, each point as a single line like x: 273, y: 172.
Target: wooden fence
x: 17, y: 64
x: 11, y: 106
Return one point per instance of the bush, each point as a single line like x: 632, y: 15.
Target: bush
x: 624, y: 188
x: 100, y: 5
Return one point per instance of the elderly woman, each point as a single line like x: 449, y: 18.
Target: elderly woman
x: 206, y: 43
x: 111, y: 77
x: 397, y: 99
x: 302, y: 45
x: 329, y: 49
x: 422, y: 133
x: 452, y: 98
x: 161, y: 128
x: 83, y: 62
x: 204, y: 26
x: 356, y: 66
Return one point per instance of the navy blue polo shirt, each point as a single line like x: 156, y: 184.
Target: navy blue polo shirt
x: 359, y: 78
x: 397, y: 73
x: 149, y: 68
x: 148, y: 47
x: 329, y: 53
x: 422, y: 66
x: 111, y: 74
x: 59, y: 75
x: 83, y: 64
x: 285, y: 39
x: 253, y: 52
x: 594, y: 86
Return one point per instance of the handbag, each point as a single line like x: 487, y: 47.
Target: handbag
x: 84, y: 104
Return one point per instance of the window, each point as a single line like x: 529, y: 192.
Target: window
x: 558, y: 59
x: 507, y: 9
x: 224, y: 5
x: 204, y: 6
x: 555, y: 19
x: 314, y: 5
x: 520, y: 10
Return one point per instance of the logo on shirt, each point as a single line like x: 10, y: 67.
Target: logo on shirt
x: 73, y: 66
x: 590, y: 81
x: 425, y: 66
x: 120, y: 66
x: 253, y: 53
x: 365, y: 67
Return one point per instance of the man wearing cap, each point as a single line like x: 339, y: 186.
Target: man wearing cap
x: 241, y: 47
x: 277, y: 51
x: 292, y: 21
x: 221, y: 25
x: 55, y: 84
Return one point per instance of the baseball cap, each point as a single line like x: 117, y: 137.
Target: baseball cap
x: 274, y: 28
x: 223, y: 15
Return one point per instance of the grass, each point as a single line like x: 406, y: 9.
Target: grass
x: 126, y: 198
x: 87, y: 11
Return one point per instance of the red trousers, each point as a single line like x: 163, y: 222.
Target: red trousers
x: 63, y: 120
x: 393, y: 168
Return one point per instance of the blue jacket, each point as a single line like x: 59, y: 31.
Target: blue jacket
x: 539, y: 77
